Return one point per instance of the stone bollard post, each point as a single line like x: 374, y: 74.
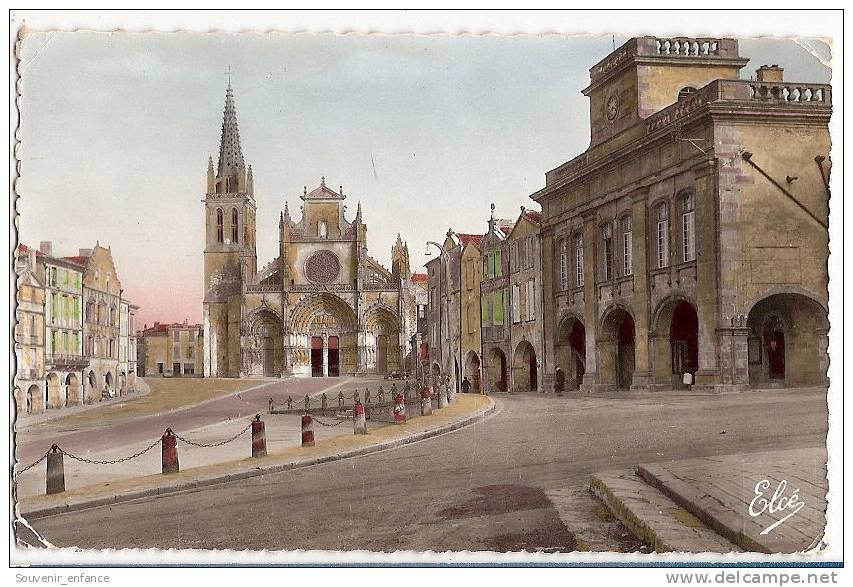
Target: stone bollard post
x: 169, y: 444
x: 367, y: 396
x: 307, y: 430
x: 399, y: 409
x: 289, y: 403
x: 325, y: 403
x: 381, y: 396
x: 426, y: 401
x: 340, y: 401
x: 442, y: 397
x: 307, y: 403
x: 259, y: 438
x: 55, y: 471
x: 271, y: 406
x: 359, y: 419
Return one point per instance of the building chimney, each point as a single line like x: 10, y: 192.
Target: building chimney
x: 769, y: 73
x: 84, y: 252
x: 46, y: 248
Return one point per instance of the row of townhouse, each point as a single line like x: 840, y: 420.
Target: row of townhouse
x: 73, y: 333
x: 688, y: 245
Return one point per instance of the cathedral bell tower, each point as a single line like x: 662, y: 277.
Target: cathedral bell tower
x: 230, y: 257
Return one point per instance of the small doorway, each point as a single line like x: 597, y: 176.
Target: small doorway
x: 334, y: 357
x: 774, y: 336
x: 316, y: 356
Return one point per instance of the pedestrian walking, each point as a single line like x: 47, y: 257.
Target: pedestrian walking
x: 466, y: 385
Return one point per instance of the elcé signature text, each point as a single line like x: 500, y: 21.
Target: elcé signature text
x: 778, y: 502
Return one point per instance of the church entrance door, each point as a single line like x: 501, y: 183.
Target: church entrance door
x: 316, y: 356
x: 334, y: 357
x: 382, y: 354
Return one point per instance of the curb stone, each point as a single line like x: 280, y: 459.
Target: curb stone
x: 256, y: 472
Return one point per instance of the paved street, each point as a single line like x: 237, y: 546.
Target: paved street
x: 115, y: 431
x: 485, y: 487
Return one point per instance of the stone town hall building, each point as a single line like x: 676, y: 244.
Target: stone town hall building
x: 322, y: 307
x: 691, y: 236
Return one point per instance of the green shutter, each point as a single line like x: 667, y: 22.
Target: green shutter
x: 498, y: 266
x: 499, y: 308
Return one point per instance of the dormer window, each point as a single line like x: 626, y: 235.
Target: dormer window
x: 323, y: 229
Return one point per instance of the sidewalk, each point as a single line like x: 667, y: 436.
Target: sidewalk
x: 678, y: 505
x: 90, y: 485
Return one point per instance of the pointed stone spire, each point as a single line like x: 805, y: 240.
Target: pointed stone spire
x: 211, y: 176
x: 492, y: 219
x: 280, y: 220
x: 250, y: 182
x: 286, y: 211
x: 230, y: 153
x: 358, y: 212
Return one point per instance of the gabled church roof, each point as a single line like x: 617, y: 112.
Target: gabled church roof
x: 230, y: 153
x: 322, y: 192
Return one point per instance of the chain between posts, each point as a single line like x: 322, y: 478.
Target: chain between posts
x: 30, y: 466
x: 113, y: 461
x: 319, y: 421
x: 136, y: 454
x: 214, y: 444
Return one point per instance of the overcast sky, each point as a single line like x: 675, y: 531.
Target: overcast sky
x: 425, y: 131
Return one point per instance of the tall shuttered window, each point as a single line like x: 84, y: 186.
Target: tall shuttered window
x: 516, y: 303
x: 627, y: 246
x: 579, y: 260
x: 564, y: 265
x: 662, y: 217
x: 530, y: 309
x: 607, y: 241
x: 688, y: 229
x: 498, y: 308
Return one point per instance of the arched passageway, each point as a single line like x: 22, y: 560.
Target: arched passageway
x: 525, y: 374
x: 73, y: 391
x: 53, y: 392
x: 788, y: 342
x: 675, y: 342
x: 472, y: 371
x: 571, y: 354
x: 616, y: 349
x: 496, y: 370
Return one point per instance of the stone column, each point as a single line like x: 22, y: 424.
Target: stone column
x: 590, y: 296
x: 549, y: 310
x: 734, y: 353
x: 707, y: 295
x: 640, y: 300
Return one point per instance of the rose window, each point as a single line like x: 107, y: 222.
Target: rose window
x: 322, y: 267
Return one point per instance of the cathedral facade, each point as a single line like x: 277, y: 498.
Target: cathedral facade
x: 323, y: 307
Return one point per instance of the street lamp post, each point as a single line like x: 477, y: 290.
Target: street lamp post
x: 443, y: 260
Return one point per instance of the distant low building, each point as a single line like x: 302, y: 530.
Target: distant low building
x: 171, y: 350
